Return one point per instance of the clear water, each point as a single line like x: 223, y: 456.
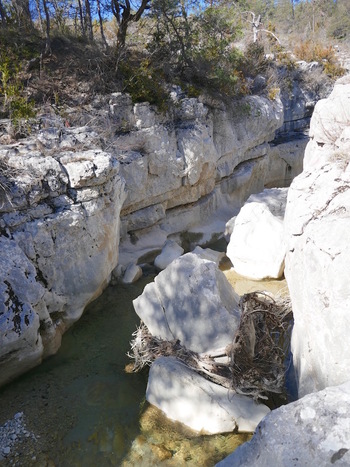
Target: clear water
x: 85, y: 410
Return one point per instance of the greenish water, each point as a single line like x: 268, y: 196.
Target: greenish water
x: 85, y: 410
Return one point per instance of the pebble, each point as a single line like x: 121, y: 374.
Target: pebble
x: 12, y: 432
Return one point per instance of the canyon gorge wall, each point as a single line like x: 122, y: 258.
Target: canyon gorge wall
x: 315, y: 429
x: 317, y: 226
x: 109, y: 182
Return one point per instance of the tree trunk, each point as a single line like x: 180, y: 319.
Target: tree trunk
x: 122, y: 12
x: 37, y: 3
x: 255, y: 25
x: 47, y: 17
x: 101, y: 23
x: 82, y: 22
x: 88, y: 20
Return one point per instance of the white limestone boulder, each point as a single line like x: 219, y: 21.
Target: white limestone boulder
x: 314, y: 430
x: 171, y: 251
x: 132, y: 273
x: 209, y: 254
x: 275, y: 199
x: 192, y: 301
x: 257, y: 248
x: 329, y: 120
x: 185, y: 396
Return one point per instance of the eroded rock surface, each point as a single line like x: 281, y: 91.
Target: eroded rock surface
x: 60, y: 236
x: 314, y: 430
x: 317, y: 230
x: 185, y: 172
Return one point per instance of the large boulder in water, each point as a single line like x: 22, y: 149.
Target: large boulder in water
x: 190, y: 301
x: 185, y: 396
x: 256, y: 248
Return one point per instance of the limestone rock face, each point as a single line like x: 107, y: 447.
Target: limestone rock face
x: 60, y: 218
x: 298, y: 105
x: 185, y: 173
x: 185, y: 396
x: 329, y: 127
x: 192, y: 301
x: 21, y: 308
x: 317, y: 224
x: 256, y: 247
x: 314, y: 430
x: 185, y: 170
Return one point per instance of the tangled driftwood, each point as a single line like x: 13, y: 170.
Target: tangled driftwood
x: 254, y: 364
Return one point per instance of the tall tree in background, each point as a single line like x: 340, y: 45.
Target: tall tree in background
x: 99, y: 12
x: 88, y: 21
x: 22, y: 13
x: 124, y: 14
x: 47, y: 29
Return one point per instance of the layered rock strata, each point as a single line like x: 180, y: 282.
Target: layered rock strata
x: 59, y: 243
x: 185, y: 174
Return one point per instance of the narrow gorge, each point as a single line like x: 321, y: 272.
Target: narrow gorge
x: 110, y: 183
x: 92, y: 198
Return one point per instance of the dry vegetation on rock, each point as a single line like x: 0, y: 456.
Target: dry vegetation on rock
x: 201, y: 48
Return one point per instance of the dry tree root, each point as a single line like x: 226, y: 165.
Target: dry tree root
x: 261, y: 345
x: 255, y: 361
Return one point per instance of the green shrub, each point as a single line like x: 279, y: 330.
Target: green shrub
x: 144, y: 82
x: 15, y: 104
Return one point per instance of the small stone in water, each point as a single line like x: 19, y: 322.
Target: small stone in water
x: 6, y: 450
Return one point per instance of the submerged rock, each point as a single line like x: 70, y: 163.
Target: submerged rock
x: 314, y: 430
x: 185, y: 396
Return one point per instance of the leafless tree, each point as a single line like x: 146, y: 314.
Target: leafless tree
x: 257, y: 26
x: 122, y: 10
x: 101, y: 23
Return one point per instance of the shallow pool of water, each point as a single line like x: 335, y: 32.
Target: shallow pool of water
x: 85, y: 410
